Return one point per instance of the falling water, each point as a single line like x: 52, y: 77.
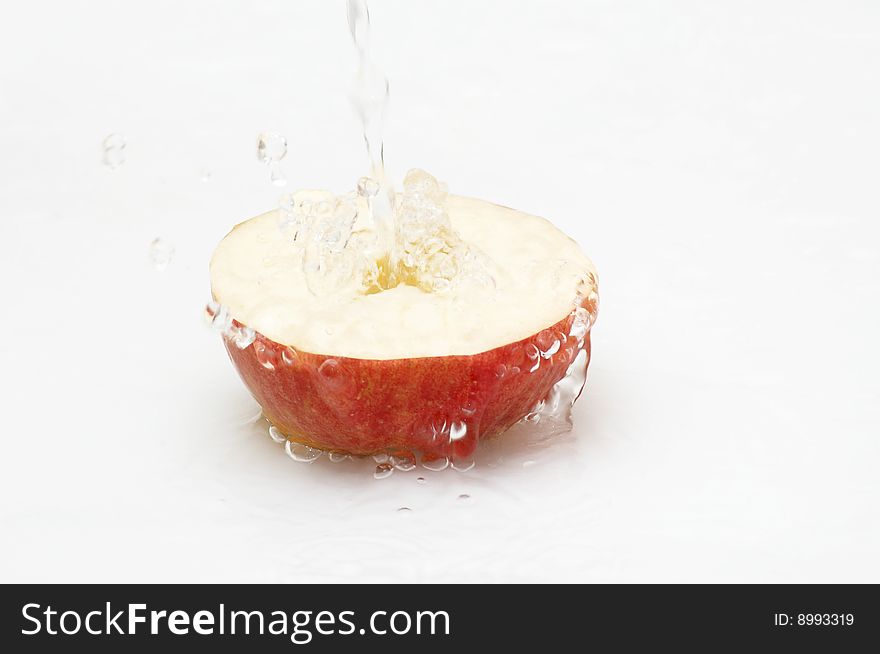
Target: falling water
x: 370, y: 93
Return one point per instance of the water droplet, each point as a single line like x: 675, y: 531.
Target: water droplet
x: 289, y: 356
x: 421, y: 480
x: 276, y: 435
x: 338, y: 457
x: 404, y: 509
x: 265, y: 355
x: 463, y: 465
x: 276, y: 174
x: 114, y: 150
x: 301, y: 452
x: 436, y: 465
x: 500, y: 370
x: 217, y: 316
x: 383, y: 470
x: 367, y: 187
x: 243, y: 337
x: 547, y: 343
x: 206, y: 175
x: 161, y: 253
x: 528, y: 464
x: 438, y: 427
x: 469, y: 408
x: 580, y: 324
x: 271, y: 147
x: 381, y: 457
x: 464, y: 497
x: 403, y: 463
x: 457, y: 431
x: 329, y: 369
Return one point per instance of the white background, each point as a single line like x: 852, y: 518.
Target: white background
x: 718, y: 160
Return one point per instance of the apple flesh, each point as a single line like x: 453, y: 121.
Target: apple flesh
x: 406, y: 371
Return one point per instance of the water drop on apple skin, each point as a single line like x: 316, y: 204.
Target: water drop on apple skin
x: 265, y: 355
x: 276, y: 435
x: 302, y: 453
x: 383, y: 471
x: 436, y: 464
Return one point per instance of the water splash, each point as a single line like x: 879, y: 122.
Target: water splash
x: 271, y: 149
x: 161, y: 253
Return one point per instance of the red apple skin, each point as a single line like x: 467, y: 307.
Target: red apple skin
x: 367, y: 406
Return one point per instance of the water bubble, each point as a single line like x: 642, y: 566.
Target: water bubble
x: 404, y: 509
x: 469, y: 408
x: 265, y: 355
x: 383, y: 470
x: 206, y: 175
x: 338, y: 457
x: 114, y: 150
x: 367, y: 187
x: 500, y: 370
x: 464, y: 464
x: 528, y: 463
x: 457, y: 431
x: 243, y: 337
x: 301, y: 452
x: 464, y: 497
x: 436, y: 465
x: 421, y: 480
x: 271, y: 147
x: 276, y: 435
x: 381, y: 457
x: 161, y: 253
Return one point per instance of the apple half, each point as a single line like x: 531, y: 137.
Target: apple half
x: 407, y: 370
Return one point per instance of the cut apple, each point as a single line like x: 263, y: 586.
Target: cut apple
x: 447, y: 336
